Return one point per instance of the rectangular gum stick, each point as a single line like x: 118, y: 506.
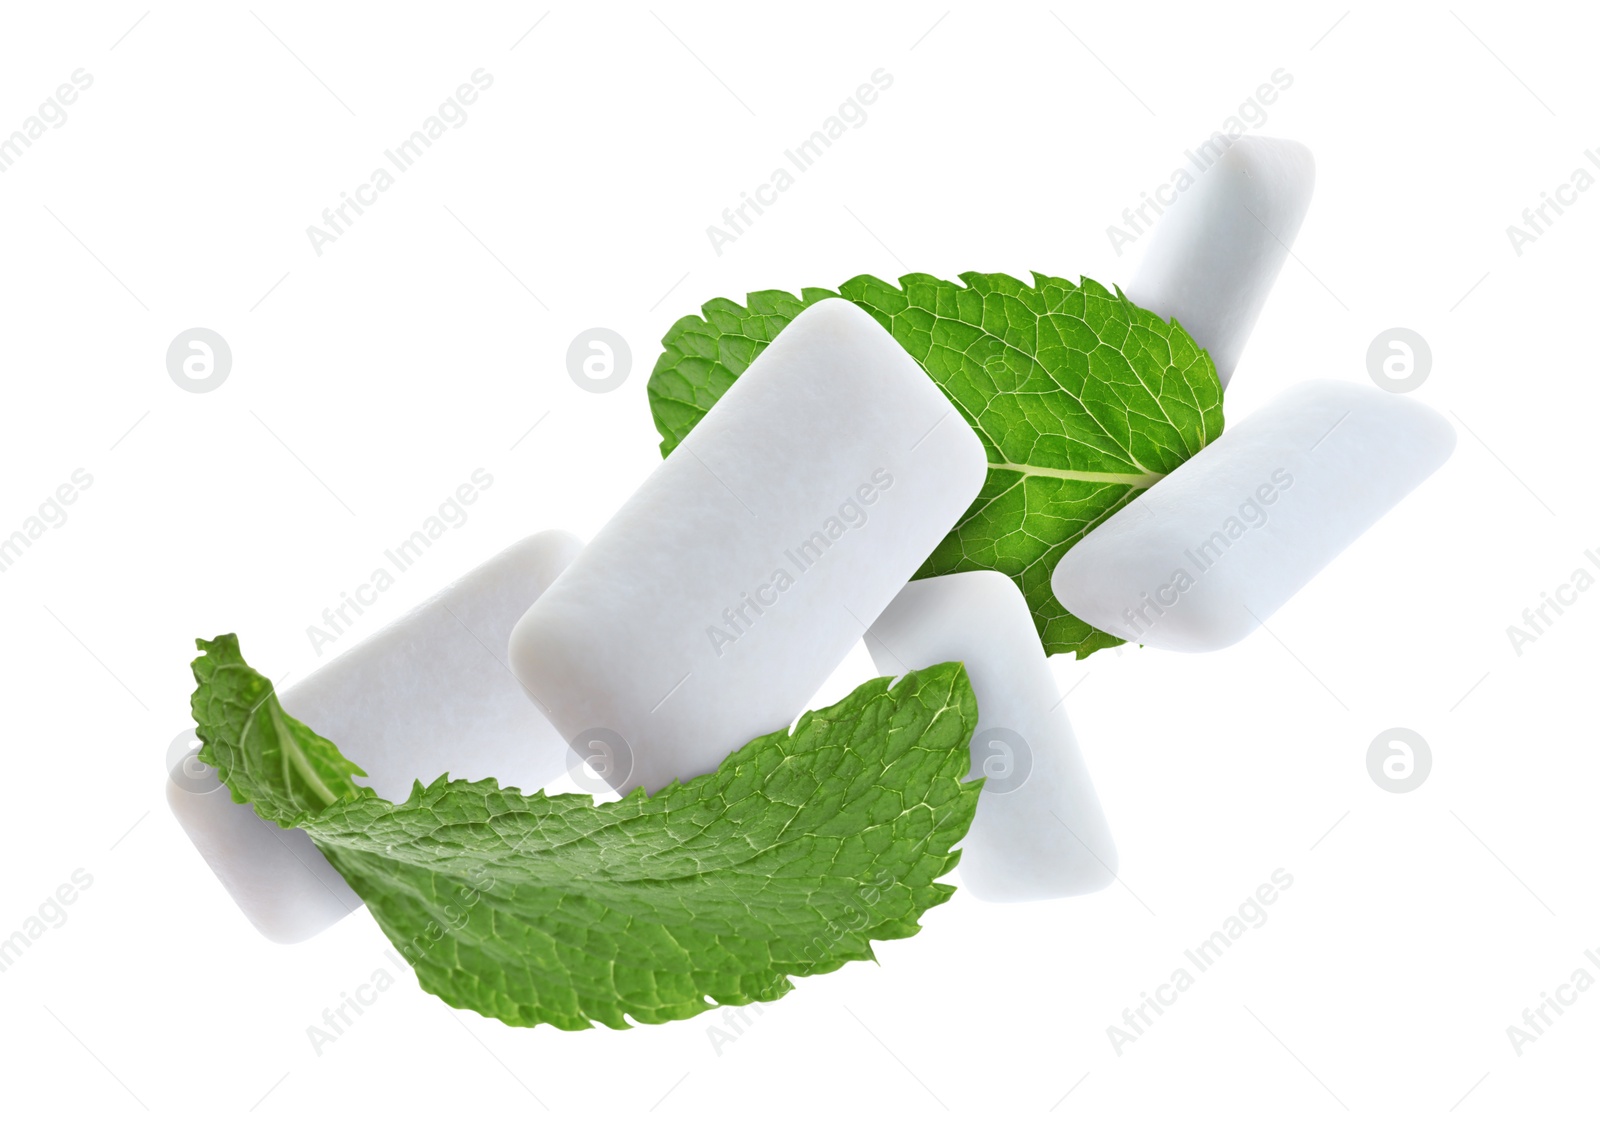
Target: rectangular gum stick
x: 1216, y: 251
x: 1039, y: 832
x: 428, y: 694
x: 1205, y: 556
x: 432, y: 692
x: 722, y: 594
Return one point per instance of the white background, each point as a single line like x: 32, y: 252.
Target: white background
x: 369, y: 382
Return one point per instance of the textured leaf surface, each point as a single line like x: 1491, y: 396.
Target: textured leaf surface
x: 786, y: 861
x: 266, y: 757
x: 1081, y: 399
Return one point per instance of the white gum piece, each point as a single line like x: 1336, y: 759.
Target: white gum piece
x: 1205, y: 556
x: 1215, y: 252
x: 426, y: 695
x: 1039, y: 832
x: 432, y: 692
x: 277, y: 878
x: 723, y: 593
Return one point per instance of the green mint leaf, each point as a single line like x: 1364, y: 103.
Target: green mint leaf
x: 1081, y: 399
x: 266, y: 757
x: 788, y: 860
